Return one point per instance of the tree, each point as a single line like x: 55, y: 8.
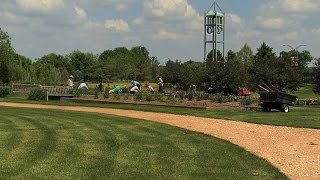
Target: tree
x: 211, y: 54
x: 316, y: 87
x: 155, y: 68
x: 22, y: 70
x: 82, y: 62
x: 172, y: 72
x: 121, y: 63
x: 246, y: 56
x: 289, y: 77
x: 59, y: 62
x: 46, y: 74
x: 276, y: 72
x: 192, y: 74
x: 214, y: 72
x: 141, y: 63
x: 235, y: 74
x: 6, y: 57
x: 264, y: 67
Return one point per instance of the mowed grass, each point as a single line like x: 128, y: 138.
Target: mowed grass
x: 300, y: 117
x: 306, y: 92
x: 40, y: 144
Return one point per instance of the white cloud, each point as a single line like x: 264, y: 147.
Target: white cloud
x: 272, y: 23
x: 279, y: 14
x: 234, y: 18
x: 287, y: 37
x: 173, y: 9
x: 138, y: 20
x: 117, y: 25
x: 40, y: 5
x: 301, y: 6
x: 176, y: 16
x: 13, y: 18
x: 105, y: 5
x: 249, y: 34
x: 290, y: 36
x: 290, y: 6
x: 165, y: 34
x: 81, y: 12
x: 122, y: 7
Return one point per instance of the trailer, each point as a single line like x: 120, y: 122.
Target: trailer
x: 276, y: 100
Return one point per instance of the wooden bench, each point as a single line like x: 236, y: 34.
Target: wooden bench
x: 57, y: 91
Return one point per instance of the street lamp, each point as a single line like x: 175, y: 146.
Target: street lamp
x: 296, y: 48
x: 294, y: 58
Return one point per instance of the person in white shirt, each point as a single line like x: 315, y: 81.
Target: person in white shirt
x: 160, y: 83
x: 70, y: 82
x: 83, y: 86
x: 134, y: 89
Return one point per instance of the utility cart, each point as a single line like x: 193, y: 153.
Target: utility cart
x: 276, y: 100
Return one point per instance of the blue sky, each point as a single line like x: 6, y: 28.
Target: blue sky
x: 170, y: 29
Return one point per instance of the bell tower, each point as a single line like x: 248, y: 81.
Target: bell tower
x: 214, y: 31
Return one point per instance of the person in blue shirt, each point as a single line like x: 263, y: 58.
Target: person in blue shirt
x: 136, y: 83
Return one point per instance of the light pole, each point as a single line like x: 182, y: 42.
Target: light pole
x: 294, y: 58
x: 296, y: 48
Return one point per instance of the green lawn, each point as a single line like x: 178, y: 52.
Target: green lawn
x: 297, y: 117
x: 306, y: 92
x: 51, y: 144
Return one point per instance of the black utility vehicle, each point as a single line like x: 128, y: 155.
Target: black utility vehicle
x: 276, y: 100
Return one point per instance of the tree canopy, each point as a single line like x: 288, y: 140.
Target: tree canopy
x: 237, y: 69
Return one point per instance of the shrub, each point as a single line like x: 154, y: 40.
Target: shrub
x: 300, y: 102
x: 138, y: 96
x: 116, y: 96
x: 219, y: 98
x: 96, y: 95
x: 5, y: 91
x: 181, y: 95
x: 247, y: 101
x: 126, y: 97
x: 106, y: 95
x: 202, y: 96
x: 171, y: 98
x: 148, y: 96
x: 76, y: 92
x: 158, y: 97
x: 37, y: 94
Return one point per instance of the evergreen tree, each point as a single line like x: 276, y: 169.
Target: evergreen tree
x: 264, y: 67
x: 316, y: 88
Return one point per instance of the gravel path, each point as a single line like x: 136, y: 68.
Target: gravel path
x: 295, y: 151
